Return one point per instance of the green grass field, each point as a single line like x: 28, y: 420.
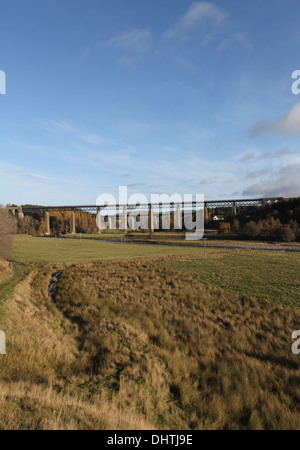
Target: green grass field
x: 50, y: 250
x: 212, y: 238
x: 261, y: 274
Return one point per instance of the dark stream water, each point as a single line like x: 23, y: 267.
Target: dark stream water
x: 54, y: 280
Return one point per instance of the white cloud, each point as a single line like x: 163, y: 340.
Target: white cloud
x: 278, y: 154
x: 255, y: 154
x: 13, y: 172
x: 136, y: 40
x: 196, y: 14
x: 248, y: 156
x: 77, y: 132
x: 290, y: 124
x: 131, y: 185
x: 91, y: 138
x: 54, y: 125
x: 280, y: 182
x: 132, y: 45
x: 241, y: 38
x: 84, y: 156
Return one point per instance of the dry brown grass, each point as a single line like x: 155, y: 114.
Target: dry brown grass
x: 36, y: 407
x: 133, y: 344
x: 6, y: 270
x: 199, y: 357
x: 42, y: 360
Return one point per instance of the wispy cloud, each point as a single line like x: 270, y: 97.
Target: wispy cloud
x: 136, y: 40
x: 85, y: 156
x: 241, y: 38
x: 22, y: 173
x: 283, y: 152
x: 282, y: 182
x: 254, y: 174
x: 255, y: 154
x: 290, y: 124
x: 195, y: 16
x: 131, y: 45
x: 202, y: 18
x: 77, y: 132
x: 131, y: 185
x: 248, y: 156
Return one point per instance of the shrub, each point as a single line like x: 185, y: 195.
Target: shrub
x: 251, y: 230
x: 224, y: 227
x: 286, y: 234
x: 235, y: 226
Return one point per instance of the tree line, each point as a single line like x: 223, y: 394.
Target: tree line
x: 279, y: 221
x: 60, y: 221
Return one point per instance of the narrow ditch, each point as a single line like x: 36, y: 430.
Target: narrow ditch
x: 54, y: 280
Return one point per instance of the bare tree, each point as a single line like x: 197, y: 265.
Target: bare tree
x: 6, y: 230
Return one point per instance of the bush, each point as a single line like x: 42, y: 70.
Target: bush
x: 250, y: 230
x: 224, y: 227
x: 235, y: 226
x: 286, y: 234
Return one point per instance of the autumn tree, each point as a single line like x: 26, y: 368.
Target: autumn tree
x: 286, y: 234
x: 235, y: 226
x: 250, y: 230
x: 6, y: 229
x: 224, y: 227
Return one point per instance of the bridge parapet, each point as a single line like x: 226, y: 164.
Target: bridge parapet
x: 147, y: 206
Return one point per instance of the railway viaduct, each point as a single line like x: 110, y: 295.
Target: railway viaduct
x: 146, y: 208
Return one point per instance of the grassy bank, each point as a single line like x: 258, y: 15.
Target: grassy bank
x: 185, y: 340
x: 9, y: 279
x: 43, y: 361
x: 133, y: 345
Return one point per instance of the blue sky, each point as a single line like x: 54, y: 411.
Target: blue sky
x: 163, y: 96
